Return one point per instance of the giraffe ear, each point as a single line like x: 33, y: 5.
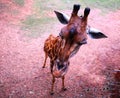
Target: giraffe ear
x: 63, y: 18
x: 95, y: 33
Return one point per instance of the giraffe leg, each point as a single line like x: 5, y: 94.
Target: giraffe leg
x: 63, y: 85
x: 53, y: 81
x: 46, y: 56
x: 51, y: 66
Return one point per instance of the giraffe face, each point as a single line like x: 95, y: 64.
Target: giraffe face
x: 74, y: 33
x: 75, y: 30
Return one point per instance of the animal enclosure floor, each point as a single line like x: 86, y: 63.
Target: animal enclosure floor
x: 92, y: 71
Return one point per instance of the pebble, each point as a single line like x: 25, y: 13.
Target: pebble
x: 31, y: 92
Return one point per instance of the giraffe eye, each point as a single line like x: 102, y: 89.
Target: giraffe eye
x: 84, y: 41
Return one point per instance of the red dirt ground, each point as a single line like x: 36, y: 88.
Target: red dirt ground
x: 92, y: 73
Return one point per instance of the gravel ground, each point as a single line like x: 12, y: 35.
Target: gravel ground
x: 92, y: 72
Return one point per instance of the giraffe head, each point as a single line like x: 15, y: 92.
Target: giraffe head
x: 73, y: 35
x: 74, y: 32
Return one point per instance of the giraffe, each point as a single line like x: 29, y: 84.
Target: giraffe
x: 59, y: 49
x: 72, y: 36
